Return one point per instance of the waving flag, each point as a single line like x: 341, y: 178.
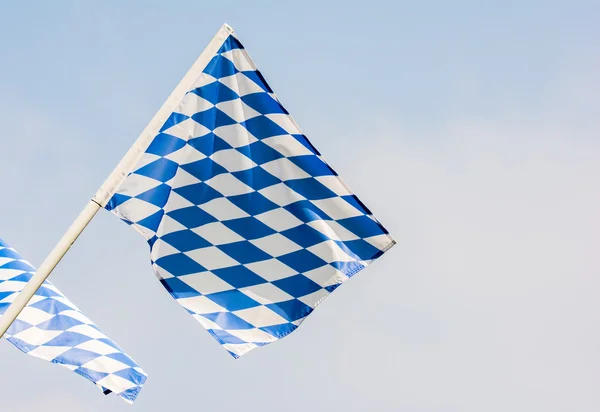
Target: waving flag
x: 249, y: 227
x: 54, y: 329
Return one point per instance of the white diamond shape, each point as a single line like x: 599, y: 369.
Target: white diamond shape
x: 276, y: 245
x: 279, y: 219
x: 201, y: 305
x: 238, y: 111
x: 240, y: 59
x: 217, y: 233
x: 326, y: 276
x: 329, y: 251
x: 75, y: 314
x: 176, y: 202
x: 35, y: 336
x: 161, y: 249
x: 334, y: 184
x: 188, y: 129
x: 192, y: 104
x: 239, y: 349
x: 266, y: 293
x: 48, y: 352
x: 87, y: 330
x: 381, y: 242
x: 333, y: 230
x: 206, y: 283
x: 285, y: 122
x: 98, y: 347
x: 271, y: 269
x: 281, y: 194
x: 136, y: 210
x: 182, y: 179
x: 284, y: 169
x: 212, y: 258
x: 252, y: 335
x: 337, y: 208
x: 287, y: 145
x: 187, y: 154
x: 6, y: 274
x: 145, y: 160
x: 169, y: 225
x: 34, y: 316
x: 207, y: 323
x: 202, y: 80
x: 4, y: 261
x: 223, y: 209
x: 11, y: 285
x: 260, y: 316
x: 235, y: 135
x: 136, y: 185
x: 105, y: 364
x: 232, y: 160
x: 116, y: 383
x: 314, y: 298
x: 241, y: 84
x: 228, y: 185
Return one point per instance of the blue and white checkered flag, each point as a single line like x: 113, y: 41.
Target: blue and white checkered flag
x: 54, y: 329
x: 249, y: 228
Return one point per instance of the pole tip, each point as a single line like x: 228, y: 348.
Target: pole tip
x: 228, y: 28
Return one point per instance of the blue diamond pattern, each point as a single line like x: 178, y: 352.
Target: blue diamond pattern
x: 52, y: 328
x: 257, y: 228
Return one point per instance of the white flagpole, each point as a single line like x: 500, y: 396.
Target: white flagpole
x: 111, y: 184
x: 47, y: 266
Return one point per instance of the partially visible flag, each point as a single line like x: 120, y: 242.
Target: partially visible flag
x: 54, y: 329
x: 249, y: 227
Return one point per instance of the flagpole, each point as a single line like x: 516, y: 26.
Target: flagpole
x: 47, y: 266
x: 113, y: 181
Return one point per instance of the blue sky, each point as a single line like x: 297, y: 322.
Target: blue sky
x: 470, y: 128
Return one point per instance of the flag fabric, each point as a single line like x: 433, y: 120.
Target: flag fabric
x: 249, y: 227
x: 52, y: 328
